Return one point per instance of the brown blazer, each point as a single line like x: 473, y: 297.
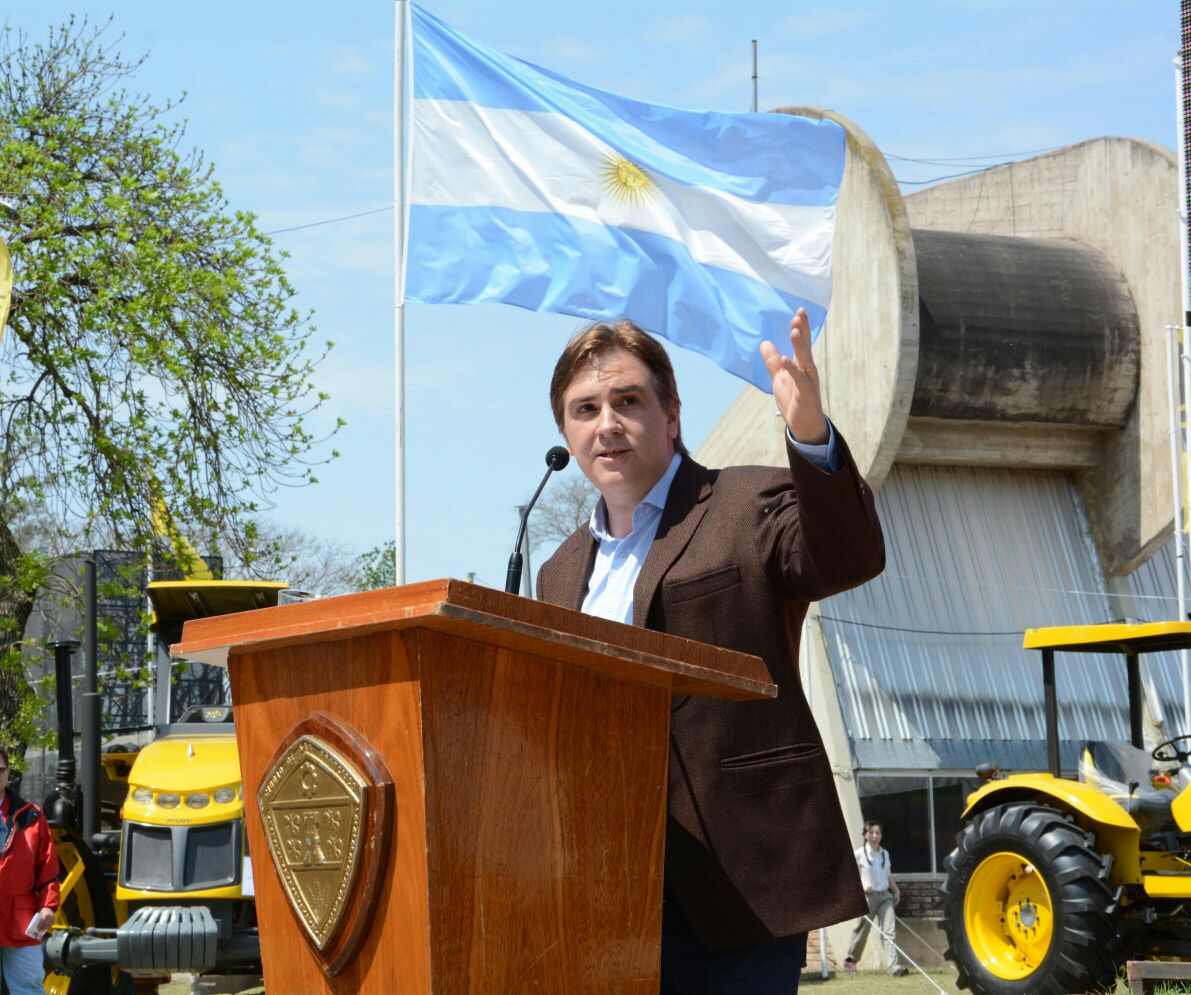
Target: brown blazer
x: 756, y: 845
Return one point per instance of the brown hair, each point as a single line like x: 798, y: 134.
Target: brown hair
x: 4, y: 755
x: 869, y: 825
x: 600, y: 338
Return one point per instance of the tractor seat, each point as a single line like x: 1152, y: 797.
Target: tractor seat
x: 1112, y: 766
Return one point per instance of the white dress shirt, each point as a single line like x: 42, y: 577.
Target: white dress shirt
x: 874, y: 868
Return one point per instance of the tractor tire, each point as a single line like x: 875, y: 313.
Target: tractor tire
x: 1027, y: 906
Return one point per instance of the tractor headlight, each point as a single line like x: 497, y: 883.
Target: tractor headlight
x: 199, y: 799
x: 142, y: 795
x: 225, y: 795
x: 167, y: 800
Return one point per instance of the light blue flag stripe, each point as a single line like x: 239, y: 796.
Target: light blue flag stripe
x: 519, y: 195
x: 772, y: 158
x: 549, y: 262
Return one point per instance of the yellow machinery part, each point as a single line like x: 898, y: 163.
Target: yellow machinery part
x: 234, y: 892
x: 1180, y: 808
x: 77, y: 906
x: 1008, y: 915
x: 1168, y: 886
x: 5, y: 284
x: 57, y: 984
x: 1116, y: 832
x: 181, y: 765
x: 1072, y: 796
x: 1113, y: 637
x: 72, y: 864
x: 118, y: 765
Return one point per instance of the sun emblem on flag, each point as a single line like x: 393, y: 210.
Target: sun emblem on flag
x: 628, y: 183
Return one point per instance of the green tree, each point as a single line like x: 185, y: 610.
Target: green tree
x: 153, y: 355
x: 375, y: 568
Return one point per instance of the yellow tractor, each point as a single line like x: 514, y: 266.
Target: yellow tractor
x: 182, y: 898
x: 1055, y: 881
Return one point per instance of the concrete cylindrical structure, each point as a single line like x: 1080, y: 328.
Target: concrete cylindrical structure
x: 1012, y: 318
x: 1022, y: 330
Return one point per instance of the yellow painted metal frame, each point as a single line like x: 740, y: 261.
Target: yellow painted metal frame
x: 72, y: 863
x: 173, y: 600
x: 1114, y: 637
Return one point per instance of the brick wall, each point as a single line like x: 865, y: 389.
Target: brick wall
x: 921, y: 896
x: 813, y: 963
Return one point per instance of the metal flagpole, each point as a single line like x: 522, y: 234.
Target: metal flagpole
x: 1174, y: 364
x: 754, y: 75
x: 401, y: 11
x: 1181, y: 344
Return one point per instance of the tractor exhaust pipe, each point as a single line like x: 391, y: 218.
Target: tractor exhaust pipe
x: 89, y: 722
x: 62, y: 806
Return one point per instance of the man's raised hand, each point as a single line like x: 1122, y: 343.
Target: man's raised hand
x: 796, y: 384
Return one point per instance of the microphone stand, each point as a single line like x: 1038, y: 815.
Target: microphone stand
x: 556, y: 459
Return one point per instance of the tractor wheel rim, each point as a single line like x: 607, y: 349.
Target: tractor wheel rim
x: 1008, y: 916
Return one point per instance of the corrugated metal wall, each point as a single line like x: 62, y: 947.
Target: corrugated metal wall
x: 927, y: 659
x: 1153, y: 587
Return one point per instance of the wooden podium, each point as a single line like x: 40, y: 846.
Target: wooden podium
x: 503, y: 764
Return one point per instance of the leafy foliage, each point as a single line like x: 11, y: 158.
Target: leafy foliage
x: 153, y: 352
x: 308, y: 562
x: 376, y: 568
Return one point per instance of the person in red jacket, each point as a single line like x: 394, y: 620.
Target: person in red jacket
x: 29, y: 891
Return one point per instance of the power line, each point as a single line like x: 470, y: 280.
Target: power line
x: 988, y: 162
x: 329, y: 221
x: 996, y: 159
x: 918, y: 632
x: 949, y: 176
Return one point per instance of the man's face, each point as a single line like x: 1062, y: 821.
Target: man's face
x: 616, y: 427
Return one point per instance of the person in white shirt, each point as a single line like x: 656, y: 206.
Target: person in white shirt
x: 881, y: 891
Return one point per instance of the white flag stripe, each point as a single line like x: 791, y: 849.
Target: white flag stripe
x: 471, y: 156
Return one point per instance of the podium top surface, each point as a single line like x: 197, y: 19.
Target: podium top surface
x: 485, y: 614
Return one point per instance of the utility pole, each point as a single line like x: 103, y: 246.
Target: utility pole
x: 527, y: 573
x: 754, y: 75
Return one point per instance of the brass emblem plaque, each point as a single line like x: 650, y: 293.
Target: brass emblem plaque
x: 313, y: 802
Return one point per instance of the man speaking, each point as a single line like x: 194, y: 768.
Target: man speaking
x: 756, y: 848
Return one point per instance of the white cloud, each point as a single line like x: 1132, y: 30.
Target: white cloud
x: 565, y: 52
x: 825, y: 21
x: 350, y: 61
x: 686, y: 29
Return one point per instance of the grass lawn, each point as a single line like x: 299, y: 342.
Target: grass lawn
x: 839, y: 983
x: 182, y: 987
x: 879, y: 983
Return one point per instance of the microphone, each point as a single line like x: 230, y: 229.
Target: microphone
x: 556, y: 459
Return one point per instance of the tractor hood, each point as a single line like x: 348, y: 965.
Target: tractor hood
x: 182, y: 763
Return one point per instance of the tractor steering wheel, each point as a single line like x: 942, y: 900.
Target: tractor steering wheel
x: 1179, y: 755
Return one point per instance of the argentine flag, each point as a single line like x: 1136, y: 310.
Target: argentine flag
x: 527, y: 188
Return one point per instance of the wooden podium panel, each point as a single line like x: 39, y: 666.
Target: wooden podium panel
x: 527, y: 746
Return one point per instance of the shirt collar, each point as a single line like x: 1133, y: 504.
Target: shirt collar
x: 655, y: 498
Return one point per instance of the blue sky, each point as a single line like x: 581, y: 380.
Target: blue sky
x: 293, y: 103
